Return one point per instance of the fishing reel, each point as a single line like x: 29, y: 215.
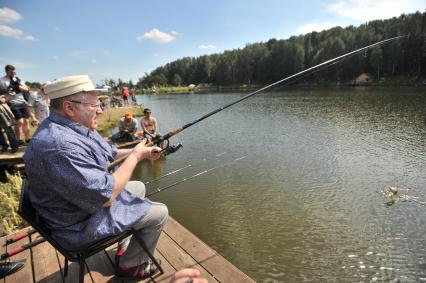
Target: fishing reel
x: 172, y: 148
x: 165, y: 145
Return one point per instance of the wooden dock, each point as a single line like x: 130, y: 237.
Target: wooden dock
x: 12, y: 158
x: 178, y: 248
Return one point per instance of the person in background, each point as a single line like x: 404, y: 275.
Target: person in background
x: 125, y: 92
x: 127, y: 129
x: 71, y: 187
x: 149, y: 125
x: 7, y: 121
x: 40, y: 103
x: 16, y: 100
x: 133, y: 96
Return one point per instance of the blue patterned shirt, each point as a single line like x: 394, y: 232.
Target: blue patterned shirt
x: 66, y: 165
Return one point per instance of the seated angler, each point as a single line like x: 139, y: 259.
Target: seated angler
x: 127, y: 129
x: 73, y: 191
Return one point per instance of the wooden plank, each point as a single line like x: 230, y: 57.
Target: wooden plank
x: 178, y: 258
x: 217, y: 265
x: 102, y: 271
x: 12, y: 158
x: 73, y: 271
x: 46, y: 264
x: 100, y: 267
x: 167, y: 268
x: 25, y: 274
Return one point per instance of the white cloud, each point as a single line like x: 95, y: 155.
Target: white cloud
x: 9, y: 16
x: 54, y: 57
x: 58, y: 29
x: 367, y: 10
x: 93, y: 61
x: 157, y: 36
x: 207, y: 46
x: 317, y: 27
x: 8, y: 31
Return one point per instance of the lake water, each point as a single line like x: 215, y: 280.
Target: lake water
x: 305, y: 203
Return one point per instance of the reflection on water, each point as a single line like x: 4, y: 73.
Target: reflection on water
x: 303, y: 205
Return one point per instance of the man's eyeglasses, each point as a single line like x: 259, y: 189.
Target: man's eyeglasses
x: 97, y: 105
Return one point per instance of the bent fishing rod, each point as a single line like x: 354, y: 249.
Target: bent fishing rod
x: 296, y: 76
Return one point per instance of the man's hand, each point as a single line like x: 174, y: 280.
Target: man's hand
x: 35, y: 122
x: 142, y: 151
x: 188, y: 275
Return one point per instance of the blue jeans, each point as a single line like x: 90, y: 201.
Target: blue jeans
x: 122, y: 137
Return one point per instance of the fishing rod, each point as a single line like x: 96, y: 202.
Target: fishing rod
x: 298, y: 75
x: 156, y: 191
x: 22, y: 248
x: 168, y: 174
x: 178, y: 170
x: 17, y: 237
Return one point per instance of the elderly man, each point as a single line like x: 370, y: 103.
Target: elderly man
x: 72, y: 189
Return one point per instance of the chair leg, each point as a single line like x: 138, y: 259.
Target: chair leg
x: 66, y: 267
x: 81, y: 275
x: 145, y: 248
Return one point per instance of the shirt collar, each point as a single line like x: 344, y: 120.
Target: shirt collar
x: 61, y: 120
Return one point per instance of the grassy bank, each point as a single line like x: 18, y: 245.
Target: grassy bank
x: 9, y: 192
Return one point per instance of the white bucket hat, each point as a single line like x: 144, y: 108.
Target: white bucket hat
x: 69, y: 85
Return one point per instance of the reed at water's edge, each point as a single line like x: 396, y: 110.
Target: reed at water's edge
x: 11, y: 222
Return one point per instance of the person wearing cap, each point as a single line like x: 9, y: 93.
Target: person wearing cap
x: 15, y: 98
x: 127, y: 129
x: 72, y: 189
x: 38, y: 101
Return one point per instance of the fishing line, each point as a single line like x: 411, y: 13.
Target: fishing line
x: 156, y: 191
x: 178, y: 170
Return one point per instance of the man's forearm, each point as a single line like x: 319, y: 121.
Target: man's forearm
x: 121, y: 177
x: 123, y: 152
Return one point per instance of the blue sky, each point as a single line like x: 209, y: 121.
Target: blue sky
x: 47, y: 39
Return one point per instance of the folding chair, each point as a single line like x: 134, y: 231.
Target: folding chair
x: 27, y: 212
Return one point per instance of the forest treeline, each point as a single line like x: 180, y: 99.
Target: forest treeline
x: 265, y: 62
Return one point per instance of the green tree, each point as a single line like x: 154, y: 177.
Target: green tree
x: 177, y: 80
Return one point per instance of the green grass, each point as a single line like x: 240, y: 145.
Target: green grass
x: 9, y: 194
x: 110, y: 117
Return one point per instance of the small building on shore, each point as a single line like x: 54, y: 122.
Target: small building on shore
x: 363, y: 79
